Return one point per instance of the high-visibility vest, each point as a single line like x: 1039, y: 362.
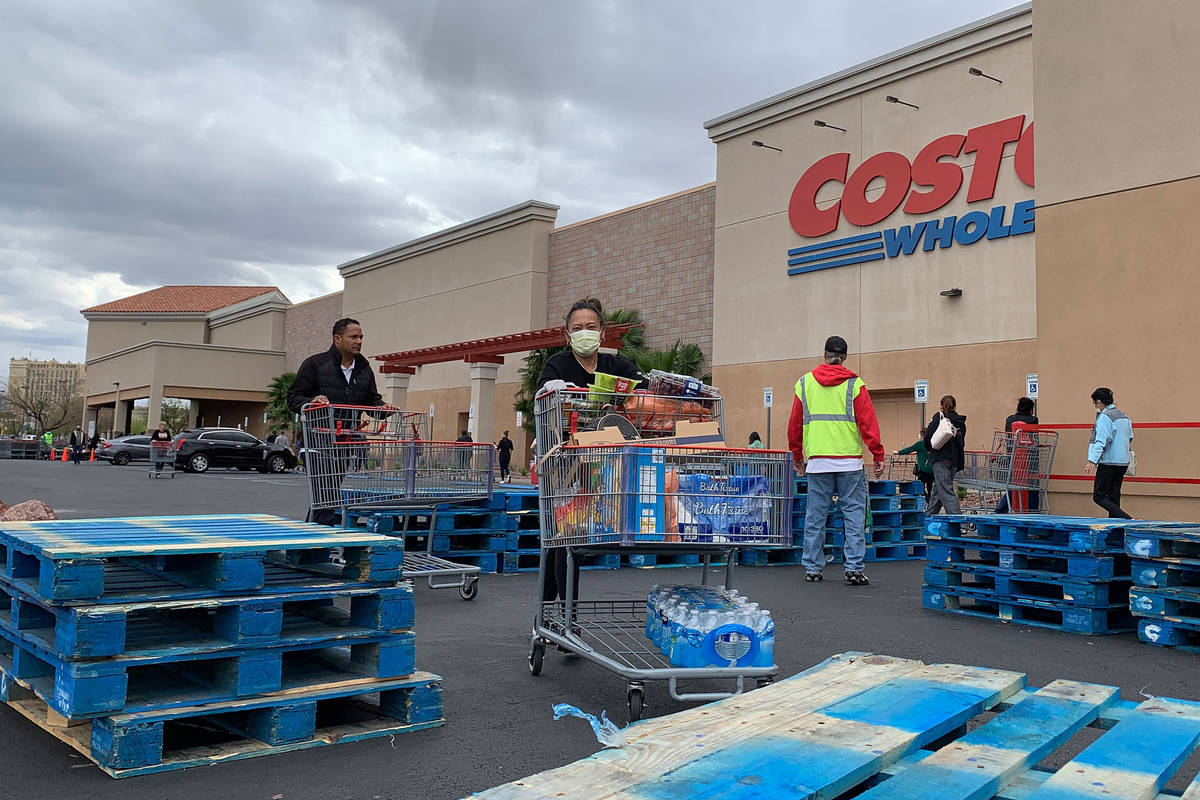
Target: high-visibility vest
x: 828, y: 416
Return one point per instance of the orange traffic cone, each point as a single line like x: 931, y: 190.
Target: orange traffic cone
x: 92, y: 454
x: 64, y: 455
x: 53, y: 454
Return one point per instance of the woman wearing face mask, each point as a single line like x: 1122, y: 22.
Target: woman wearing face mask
x: 584, y: 329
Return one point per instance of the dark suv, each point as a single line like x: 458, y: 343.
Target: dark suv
x: 198, y: 450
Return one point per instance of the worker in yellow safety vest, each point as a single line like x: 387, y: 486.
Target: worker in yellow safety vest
x: 832, y: 419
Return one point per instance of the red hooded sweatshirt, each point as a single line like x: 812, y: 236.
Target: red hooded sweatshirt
x: 864, y: 416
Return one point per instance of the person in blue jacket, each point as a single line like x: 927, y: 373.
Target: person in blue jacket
x: 1108, y: 453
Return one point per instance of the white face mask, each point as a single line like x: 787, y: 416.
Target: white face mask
x: 585, y: 342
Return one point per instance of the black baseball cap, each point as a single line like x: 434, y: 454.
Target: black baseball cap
x: 836, y: 344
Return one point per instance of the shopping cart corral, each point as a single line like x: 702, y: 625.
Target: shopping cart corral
x: 1018, y: 465
x: 652, y: 497
x: 377, y: 463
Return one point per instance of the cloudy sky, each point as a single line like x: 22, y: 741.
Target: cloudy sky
x: 149, y: 142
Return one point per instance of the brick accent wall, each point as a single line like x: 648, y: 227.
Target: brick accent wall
x: 657, y: 258
x: 306, y: 328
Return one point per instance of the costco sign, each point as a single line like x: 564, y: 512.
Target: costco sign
x: 922, y: 186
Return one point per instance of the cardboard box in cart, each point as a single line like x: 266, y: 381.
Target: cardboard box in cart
x: 647, y: 507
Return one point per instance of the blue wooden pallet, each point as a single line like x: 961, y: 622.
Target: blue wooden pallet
x: 1074, y: 534
x: 466, y: 541
x: 527, y: 520
x: 1173, y: 544
x: 898, y: 519
x: 769, y: 558
x: 203, y: 625
x: 70, y: 560
x: 1162, y: 574
x: 1165, y: 632
x: 521, y: 500
x: 900, y: 551
x: 880, y: 728
x: 878, y: 534
x: 1032, y: 585
x: 134, y: 683
x: 959, y: 550
x: 521, y: 560
x: 1181, y: 604
x: 1024, y: 611
x: 451, y: 520
x: 488, y: 562
x: 528, y: 540
x: 124, y: 745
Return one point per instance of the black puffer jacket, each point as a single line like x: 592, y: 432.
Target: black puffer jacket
x: 952, y: 451
x: 321, y: 374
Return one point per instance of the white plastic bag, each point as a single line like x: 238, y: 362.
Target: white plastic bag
x: 944, y: 433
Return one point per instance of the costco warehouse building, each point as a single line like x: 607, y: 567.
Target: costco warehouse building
x: 892, y: 203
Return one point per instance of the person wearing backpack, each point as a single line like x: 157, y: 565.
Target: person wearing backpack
x: 946, y: 440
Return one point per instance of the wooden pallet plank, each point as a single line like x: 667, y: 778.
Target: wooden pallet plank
x: 987, y: 759
x: 839, y: 693
x: 1134, y: 760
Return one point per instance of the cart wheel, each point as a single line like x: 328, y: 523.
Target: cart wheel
x: 537, y: 652
x: 470, y: 590
x: 767, y: 681
x: 636, y: 698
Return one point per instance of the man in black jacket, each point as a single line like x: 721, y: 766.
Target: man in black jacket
x: 340, y: 376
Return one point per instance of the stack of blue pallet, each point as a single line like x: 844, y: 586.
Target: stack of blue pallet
x: 895, y: 530
x: 1165, y: 598
x: 499, y: 534
x: 1065, y: 573
x: 158, y: 643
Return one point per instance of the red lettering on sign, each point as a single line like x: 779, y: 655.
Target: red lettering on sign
x: 806, y: 218
x: 1023, y: 160
x: 940, y: 181
x: 856, y: 207
x: 987, y: 143
x: 943, y: 177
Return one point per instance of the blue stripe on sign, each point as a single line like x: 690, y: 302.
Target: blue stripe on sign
x: 796, y: 251
x: 862, y: 248
x: 830, y: 264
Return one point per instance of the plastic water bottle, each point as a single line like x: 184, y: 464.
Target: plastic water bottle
x: 651, y: 613
x: 766, y: 639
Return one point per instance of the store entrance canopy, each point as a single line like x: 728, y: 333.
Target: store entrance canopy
x: 487, y: 351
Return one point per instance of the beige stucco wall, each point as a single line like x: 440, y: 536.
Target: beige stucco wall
x: 490, y: 285
x: 450, y: 402
x: 263, y: 330
x: 883, y: 305
x: 199, y: 366
x: 109, y: 335
x: 1116, y: 293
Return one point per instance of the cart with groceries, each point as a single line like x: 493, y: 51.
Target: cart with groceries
x: 1018, y: 466
x: 363, y: 460
x: 643, y: 472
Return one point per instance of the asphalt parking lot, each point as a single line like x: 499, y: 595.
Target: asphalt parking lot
x: 499, y: 722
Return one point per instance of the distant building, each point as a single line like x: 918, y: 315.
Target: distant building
x: 216, y: 346
x: 45, y: 380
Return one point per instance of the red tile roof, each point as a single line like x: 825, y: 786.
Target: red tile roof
x: 167, y: 299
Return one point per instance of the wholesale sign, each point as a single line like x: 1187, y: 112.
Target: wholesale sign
x: 922, y: 186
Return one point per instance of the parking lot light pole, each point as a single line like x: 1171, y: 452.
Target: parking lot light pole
x: 116, y: 407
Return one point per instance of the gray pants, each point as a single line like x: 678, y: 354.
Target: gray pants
x: 944, y: 496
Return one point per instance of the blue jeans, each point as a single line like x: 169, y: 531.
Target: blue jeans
x: 851, y: 489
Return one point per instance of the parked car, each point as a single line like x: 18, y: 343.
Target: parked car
x: 201, y: 449
x: 124, y: 449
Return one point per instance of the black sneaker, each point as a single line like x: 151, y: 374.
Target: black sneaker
x: 857, y: 579
x: 813, y: 577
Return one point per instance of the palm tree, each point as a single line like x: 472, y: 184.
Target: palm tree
x: 278, y: 413
x: 682, y: 359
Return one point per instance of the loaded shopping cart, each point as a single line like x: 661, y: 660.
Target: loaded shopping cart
x: 648, y: 496
x: 380, y: 459
x: 162, y: 459
x: 1017, y: 467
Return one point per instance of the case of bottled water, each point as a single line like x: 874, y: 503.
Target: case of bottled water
x: 709, y: 626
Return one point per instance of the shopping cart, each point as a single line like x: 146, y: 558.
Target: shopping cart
x: 380, y: 459
x: 162, y: 459
x: 645, y: 498
x: 898, y: 468
x: 1018, y: 465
